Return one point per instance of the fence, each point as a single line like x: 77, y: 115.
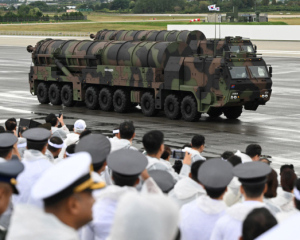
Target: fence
x: 46, y: 19
x: 49, y: 34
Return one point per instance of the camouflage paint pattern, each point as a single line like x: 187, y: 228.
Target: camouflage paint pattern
x: 196, y: 40
x: 159, y: 67
x: 164, y: 35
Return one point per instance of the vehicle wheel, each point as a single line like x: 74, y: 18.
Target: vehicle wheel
x: 106, y: 99
x: 54, y: 94
x: 67, y: 96
x: 215, y: 112
x: 148, y: 105
x: 172, y: 107
x: 189, y: 109
x: 91, y: 98
x: 120, y: 101
x: 233, y: 112
x: 42, y: 93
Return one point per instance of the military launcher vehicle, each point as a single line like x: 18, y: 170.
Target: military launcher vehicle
x: 117, y: 75
x: 195, y: 39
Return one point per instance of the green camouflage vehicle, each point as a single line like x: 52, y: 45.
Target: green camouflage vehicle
x: 117, y: 75
x: 195, y: 39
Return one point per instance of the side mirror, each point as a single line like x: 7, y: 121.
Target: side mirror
x: 270, y: 70
x: 255, y: 47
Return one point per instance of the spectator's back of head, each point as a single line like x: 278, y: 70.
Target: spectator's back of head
x: 85, y: 133
x: 297, y: 194
x: 272, y: 183
x: 11, y: 124
x: 54, y: 144
x: 257, y: 222
x: 52, y: 119
x: 226, y: 155
x: 2, y: 130
x: 167, y: 153
x: 288, y: 179
x: 285, y: 166
x: 253, y: 150
x: 152, y: 141
x: 194, y: 169
x: 127, y: 130
x: 234, y: 160
x: 198, y: 141
x: 70, y: 150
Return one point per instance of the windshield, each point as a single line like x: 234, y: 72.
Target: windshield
x: 258, y: 71
x: 248, y: 48
x: 238, y: 72
x: 234, y: 48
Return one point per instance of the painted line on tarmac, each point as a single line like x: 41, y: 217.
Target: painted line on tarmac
x: 14, y: 110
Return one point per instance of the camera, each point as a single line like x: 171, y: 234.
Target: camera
x: 178, y: 154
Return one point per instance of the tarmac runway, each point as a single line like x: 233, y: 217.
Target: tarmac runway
x: 274, y: 126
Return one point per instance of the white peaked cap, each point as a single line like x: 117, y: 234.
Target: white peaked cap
x: 80, y: 125
x: 145, y: 217
x: 72, y: 174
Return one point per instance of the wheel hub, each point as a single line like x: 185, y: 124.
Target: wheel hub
x: 104, y: 99
x: 188, y: 109
x: 119, y: 101
x: 147, y: 104
x: 53, y: 94
x: 171, y: 107
x: 90, y: 98
x: 42, y: 93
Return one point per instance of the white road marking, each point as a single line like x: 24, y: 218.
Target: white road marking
x: 14, y: 110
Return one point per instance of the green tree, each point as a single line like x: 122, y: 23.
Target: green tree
x: 265, y: 2
x: 273, y: 2
x: 35, y: 12
x: 40, y: 5
x: 23, y: 9
x: 131, y: 4
x: 119, y: 4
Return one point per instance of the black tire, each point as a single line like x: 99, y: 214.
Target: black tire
x: 43, y: 93
x: 172, y: 107
x: 54, y: 94
x: 215, y: 112
x: 148, y: 105
x: 92, y: 98
x: 121, y: 101
x: 67, y: 96
x: 189, y: 109
x: 233, y: 112
x: 106, y: 99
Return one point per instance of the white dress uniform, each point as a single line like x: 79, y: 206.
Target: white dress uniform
x: 288, y: 229
x: 186, y: 190
x: 199, y: 217
x: 117, y: 144
x: 285, y: 200
x: 30, y: 222
x: 126, y: 162
x: 229, y: 226
x: 196, y: 156
x: 145, y: 216
x: 35, y: 165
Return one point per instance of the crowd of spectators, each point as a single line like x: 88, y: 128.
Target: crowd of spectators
x: 79, y: 185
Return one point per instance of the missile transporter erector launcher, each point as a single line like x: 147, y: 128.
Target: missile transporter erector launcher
x: 157, y: 75
x: 198, y: 42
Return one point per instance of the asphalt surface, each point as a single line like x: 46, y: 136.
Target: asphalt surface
x: 274, y: 126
